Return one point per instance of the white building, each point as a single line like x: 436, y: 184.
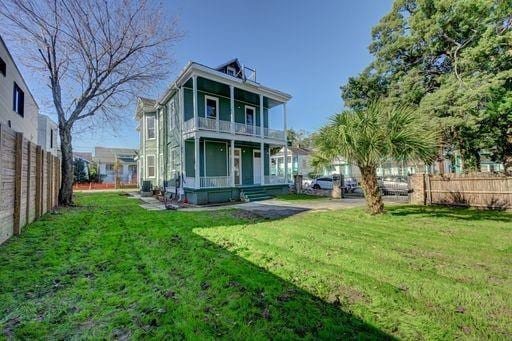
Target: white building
x: 18, y: 109
x: 47, y: 134
x: 110, y: 158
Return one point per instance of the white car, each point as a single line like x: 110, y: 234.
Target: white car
x: 322, y: 183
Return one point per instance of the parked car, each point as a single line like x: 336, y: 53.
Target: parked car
x: 394, y: 185
x: 322, y: 183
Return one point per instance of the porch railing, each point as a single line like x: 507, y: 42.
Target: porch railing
x: 215, y: 181
x: 190, y: 182
x: 274, y: 179
x: 246, y: 129
x: 225, y: 127
x: 274, y: 133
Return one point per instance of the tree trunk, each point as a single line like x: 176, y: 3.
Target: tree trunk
x: 507, y: 164
x: 66, y: 188
x: 371, y: 190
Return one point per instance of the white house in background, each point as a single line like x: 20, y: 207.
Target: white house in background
x: 18, y: 109
x: 299, y: 162
x: 47, y: 134
x: 106, y: 158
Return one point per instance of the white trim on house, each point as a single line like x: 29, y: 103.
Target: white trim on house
x: 197, y: 69
x: 254, y: 151
x: 240, y: 180
x: 253, y: 114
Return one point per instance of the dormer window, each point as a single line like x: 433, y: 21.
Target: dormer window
x: 231, y: 71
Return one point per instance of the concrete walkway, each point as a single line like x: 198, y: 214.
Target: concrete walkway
x: 268, y: 209
x: 275, y: 209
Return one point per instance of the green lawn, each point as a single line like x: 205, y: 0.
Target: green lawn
x: 111, y: 269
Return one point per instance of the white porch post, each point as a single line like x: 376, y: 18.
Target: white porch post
x: 157, y: 158
x: 262, y: 167
x: 232, y: 103
x: 181, y: 111
x: 232, y: 162
x: 194, y: 101
x: 261, y: 117
x: 285, y: 145
x: 197, y: 162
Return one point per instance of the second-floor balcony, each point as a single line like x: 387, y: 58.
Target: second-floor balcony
x: 222, y: 126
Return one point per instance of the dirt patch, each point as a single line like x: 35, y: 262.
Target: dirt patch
x: 346, y: 295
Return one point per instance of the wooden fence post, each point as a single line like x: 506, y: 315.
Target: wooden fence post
x: 18, y: 159
x: 429, y: 190
x: 38, y: 182
x: 29, y: 165
x: 48, y: 182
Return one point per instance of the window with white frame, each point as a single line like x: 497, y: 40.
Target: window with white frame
x: 231, y: 71
x: 211, y: 106
x: 150, y: 127
x: 150, y: 166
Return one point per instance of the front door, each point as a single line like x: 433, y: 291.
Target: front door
x: 256, y: 162
x: 237, y: 163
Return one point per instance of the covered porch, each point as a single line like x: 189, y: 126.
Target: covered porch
x: 227, y: 163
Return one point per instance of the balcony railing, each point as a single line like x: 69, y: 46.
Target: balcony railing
x: 225, y: 127
x: 246, y: 129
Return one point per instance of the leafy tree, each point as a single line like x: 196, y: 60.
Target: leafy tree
x: 368, y: 136
x: 80, y: 171
x: 449, y: 58
x: 300, y: 138
x: 94, y: 173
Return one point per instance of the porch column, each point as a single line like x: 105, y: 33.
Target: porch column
x: 197, y: 162
x: 181, y: 110
x: 232, y: 103
x: 261, y: 117
x: 286, y: 144
x: 262, y: 167
x: 194, y: 100
x: 232, y: 162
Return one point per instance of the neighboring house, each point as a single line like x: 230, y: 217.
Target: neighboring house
x: 47, y: 134
x: 18, y: 109
x: 209, y: 135
x: 146, y: 159
x: 87, y: 156
x: 108, y: 159
x: 299, y: 162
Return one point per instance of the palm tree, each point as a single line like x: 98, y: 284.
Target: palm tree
x: 369, y: 136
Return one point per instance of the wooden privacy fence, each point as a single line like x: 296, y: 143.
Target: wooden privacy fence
x: 29, y: 182
x: 486, y: 190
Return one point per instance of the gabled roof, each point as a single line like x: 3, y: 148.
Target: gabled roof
x: 228, y: 63
x: 295, y: 151
x: 144, y: 105
x: 244, y: 84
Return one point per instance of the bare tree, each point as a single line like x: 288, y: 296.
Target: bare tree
x: 96, y: 54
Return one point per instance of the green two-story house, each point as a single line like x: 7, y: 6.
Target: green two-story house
x: 209, y: 137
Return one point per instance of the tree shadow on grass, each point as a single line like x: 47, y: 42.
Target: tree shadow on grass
x: 115, y: 270
x: 457, y: 213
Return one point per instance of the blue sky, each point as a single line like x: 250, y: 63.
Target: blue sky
x: 305, y: 48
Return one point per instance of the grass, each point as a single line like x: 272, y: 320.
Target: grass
x: 109, y: 269
x: 299, y: 197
